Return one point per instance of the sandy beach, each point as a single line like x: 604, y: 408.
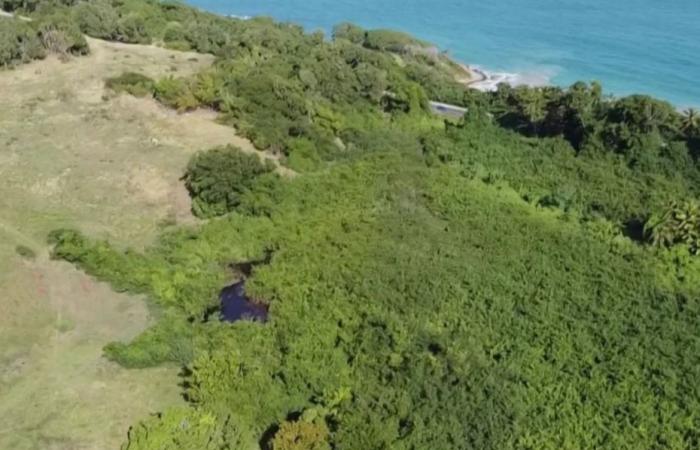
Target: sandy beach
x: 482, y: 80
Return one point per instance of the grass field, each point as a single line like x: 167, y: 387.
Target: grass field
x: 75, y: 155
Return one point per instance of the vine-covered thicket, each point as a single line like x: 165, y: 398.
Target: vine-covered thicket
x: 450, y: 312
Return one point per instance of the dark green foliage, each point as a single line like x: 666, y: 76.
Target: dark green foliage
x: 54, y: 32
x: 132, y: 83
x: 25, y: 252
x: 649, y: 134
x: 33, y: 5
x: 217, y: 179
x: 18, y: 42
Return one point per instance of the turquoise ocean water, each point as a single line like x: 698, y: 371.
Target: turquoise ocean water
x: 631, y: 46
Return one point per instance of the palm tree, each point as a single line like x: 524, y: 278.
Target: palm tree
x: 679, y: 224
x: 690, y: 124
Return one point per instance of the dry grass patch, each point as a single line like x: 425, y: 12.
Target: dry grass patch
x: 74, y: 155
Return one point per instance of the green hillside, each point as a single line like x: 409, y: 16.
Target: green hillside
x: 523, y: 278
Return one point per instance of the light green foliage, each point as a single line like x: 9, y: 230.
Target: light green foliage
x: 303, y: 156
x: 549, y: 172
x: 176, y: 93
x: 350, y: 32
x: 390, y: 40
x: 678, y: 224
x: 500, y: 324
x: 187, y: 429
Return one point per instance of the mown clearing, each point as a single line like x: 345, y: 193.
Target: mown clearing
x: 72, y: 154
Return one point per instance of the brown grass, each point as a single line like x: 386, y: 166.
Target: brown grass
x: 74, y: 155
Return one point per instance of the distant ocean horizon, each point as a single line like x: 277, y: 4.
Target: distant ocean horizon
x: 631, y: 46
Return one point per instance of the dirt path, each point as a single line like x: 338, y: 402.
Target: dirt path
x: 72, y: 155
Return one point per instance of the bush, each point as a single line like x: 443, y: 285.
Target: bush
x: 350, y: 32
x: 301, y: 435
x: 60, y: 34
x: 216, y: 179
x: 187, y: 429
x: 390, y: 40
x: 97, y: 18
x: 18, y: 43
x: 131, y: 28
x: 25, y: 252
x: 33, y: 5
x: 176, y: 93
x: 678, y: 224
x: 303, y: 156
x: 132, y: 83
x: 174, y: 32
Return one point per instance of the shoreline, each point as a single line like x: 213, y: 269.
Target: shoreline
x: 484, y: 80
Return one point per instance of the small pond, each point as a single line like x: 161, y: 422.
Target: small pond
x: 235, y: 305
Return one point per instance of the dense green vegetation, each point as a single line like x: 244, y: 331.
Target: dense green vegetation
x: 132, y: 83
x: 454, y: 313
x: 55, y: 31
x: 525, y: 278
x: 218, y: 178
x: 19, y: 43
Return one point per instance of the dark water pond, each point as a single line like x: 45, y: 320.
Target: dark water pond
x: 235, y: 305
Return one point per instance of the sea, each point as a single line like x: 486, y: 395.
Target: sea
x: 631, y: 46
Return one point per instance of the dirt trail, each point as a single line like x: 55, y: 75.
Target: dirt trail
x: 73, y: 155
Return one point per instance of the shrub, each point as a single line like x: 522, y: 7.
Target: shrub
x: 32, y: 5
x: 18, y: 43
x: 97, y: 18
x: 216, y: 179
x: 303, y: 156
x: 176, y: 93
x: 187, y: 429
x: 131, y: 28
x: 25, y: 252
x: 678, y: 224
x: 174, y: 32
x: 60, y: 34
x: 301, y: 435
x: 132, y: 83
x: 349, y: 32
x: 390, y: 40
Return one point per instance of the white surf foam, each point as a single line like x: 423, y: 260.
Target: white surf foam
x: 491, y: 80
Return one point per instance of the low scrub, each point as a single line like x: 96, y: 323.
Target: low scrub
x: 132, y: 83
x: 19, y: 43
